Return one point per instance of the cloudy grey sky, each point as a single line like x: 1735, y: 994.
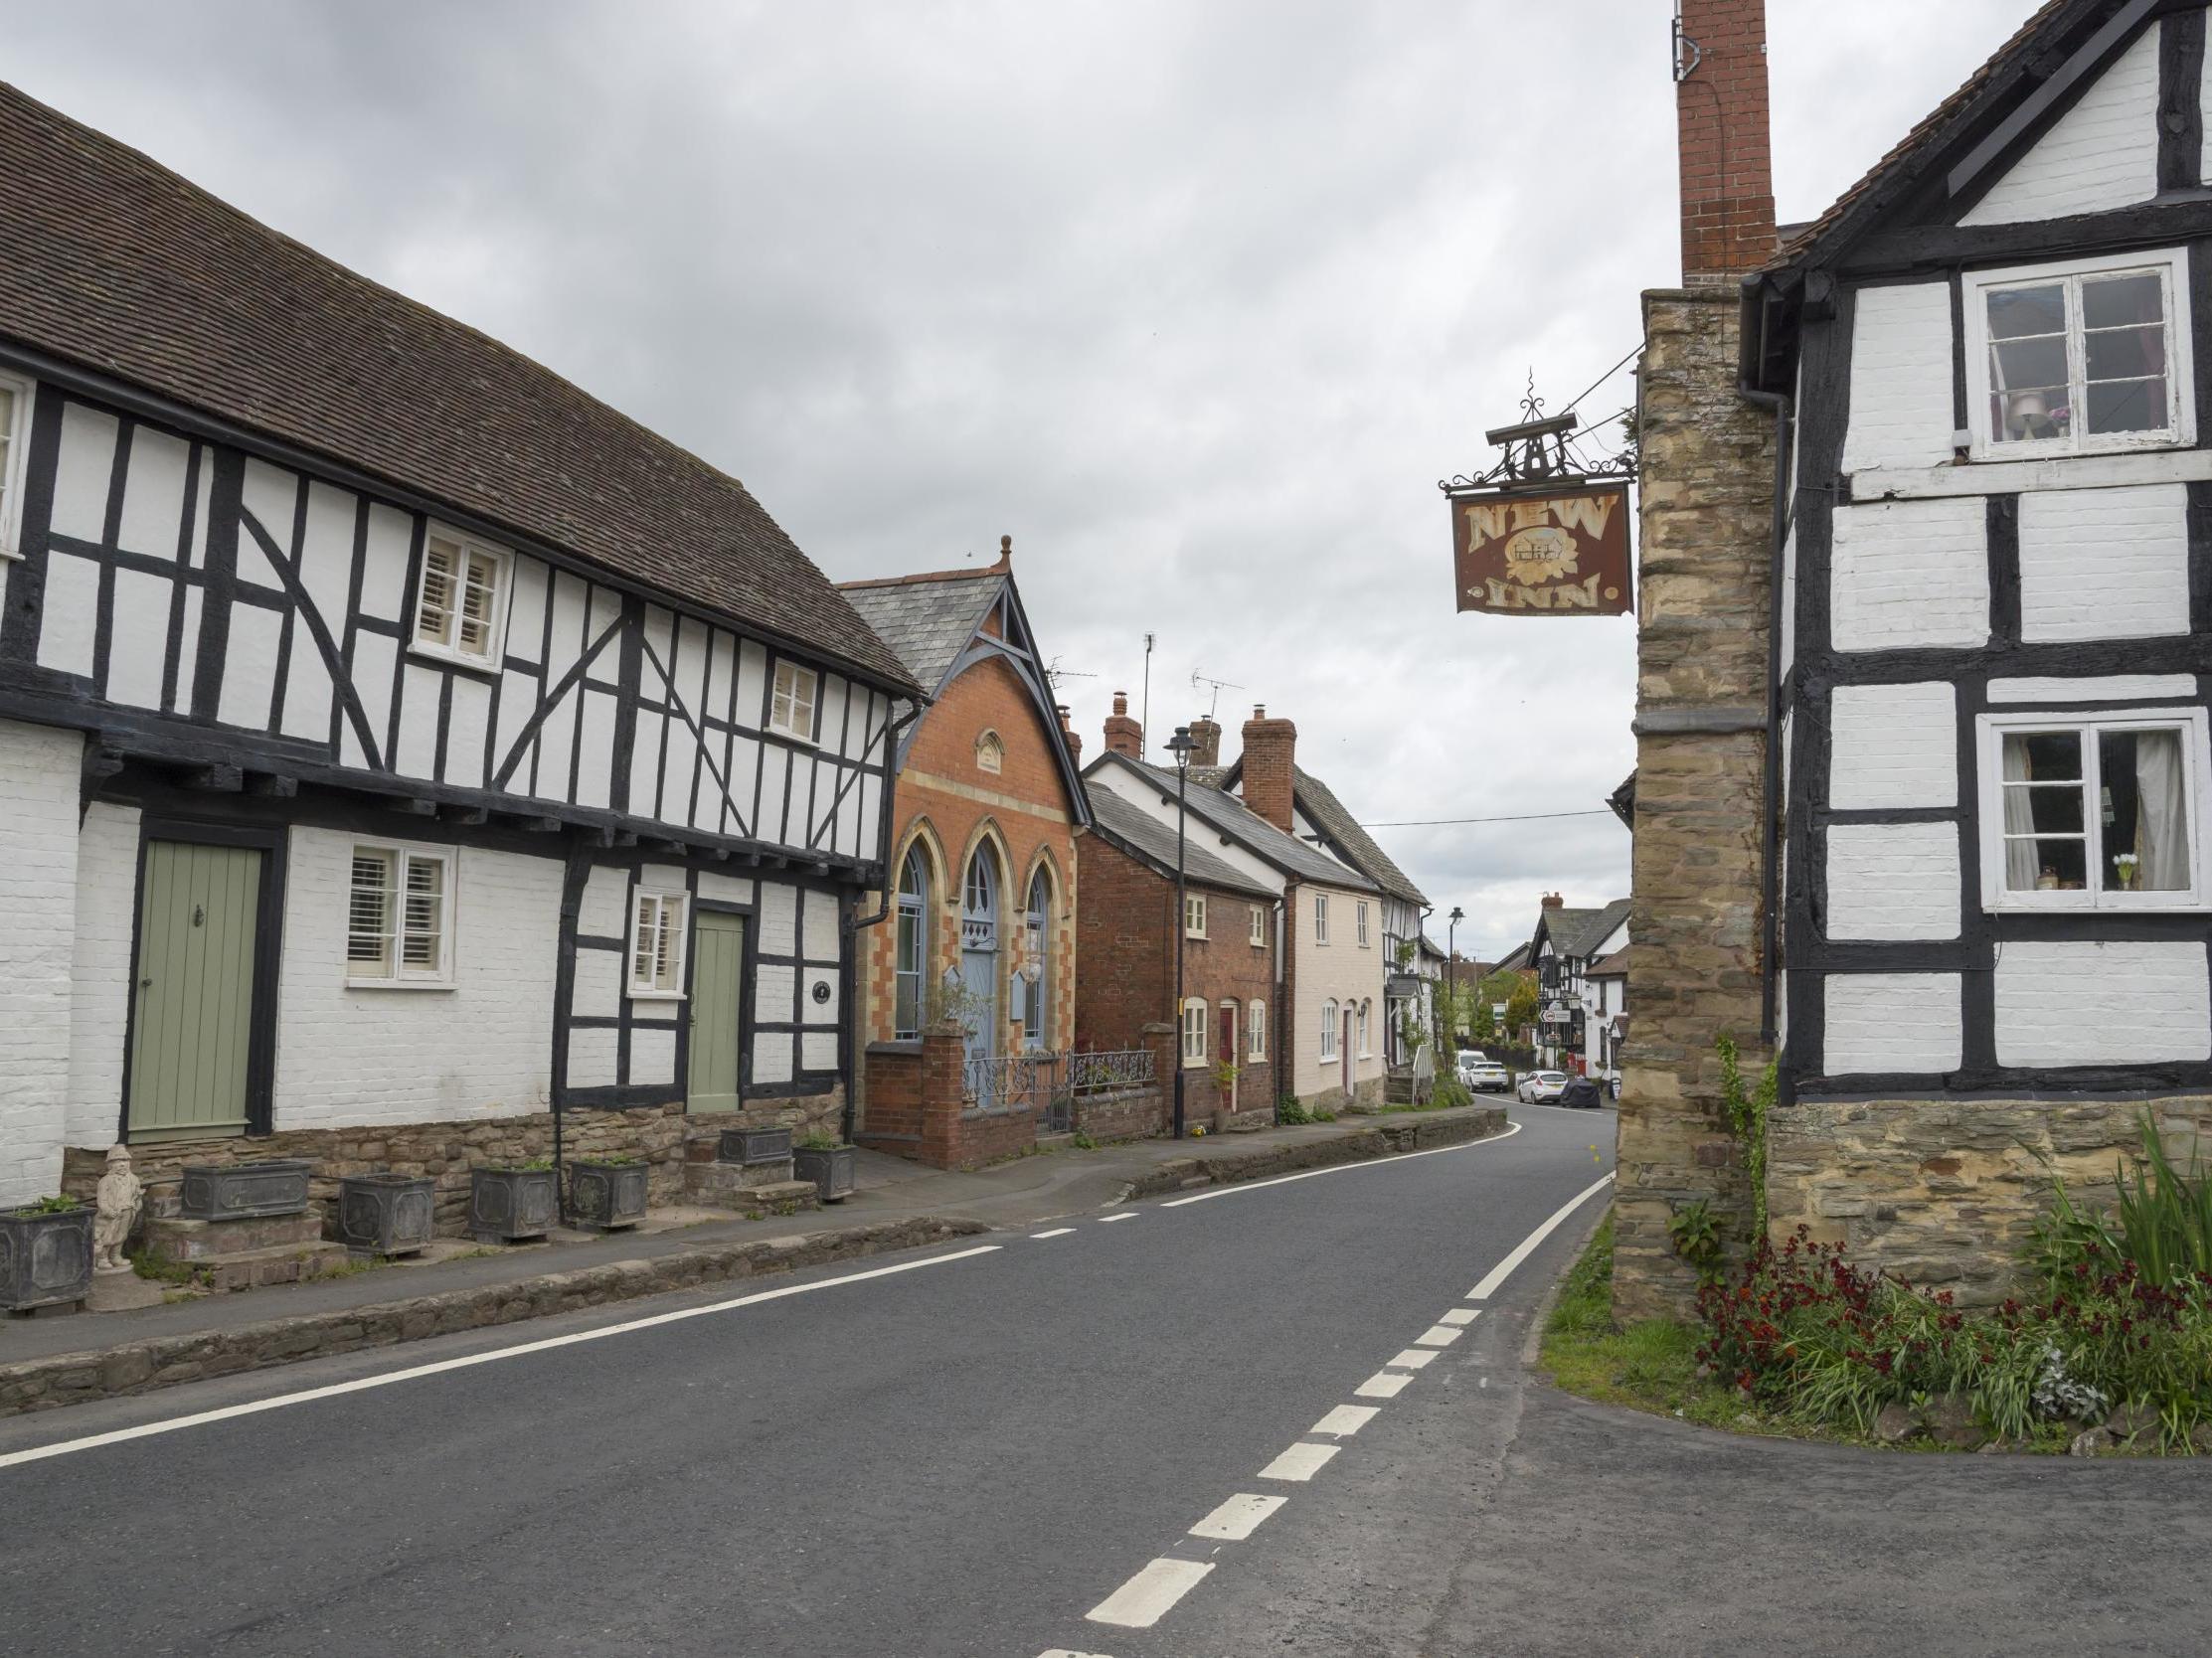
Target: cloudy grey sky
x: 1194, y: 298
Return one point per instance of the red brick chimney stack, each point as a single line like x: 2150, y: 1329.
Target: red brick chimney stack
x: 1123, y: 736
x: 1271, y: 762
x: 1720, y: 115
x: 1552, y: 901
x: 1207, y: 735
x: 1069, y: 733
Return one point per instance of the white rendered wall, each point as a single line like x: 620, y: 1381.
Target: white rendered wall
x: 2103, y: 153
x: 1910, y: 573
x: 1340, y: 971
x: 1893, y: 746
x: 1894, y: 1022
x: 1893, y: 881
x: 2104, y: 564
x: 2103, y: 1003
x: 99, y: 966
x: 2096, y: 688
x: 348, y: 1058
x: 1901, y: 413
x: 39, y: 782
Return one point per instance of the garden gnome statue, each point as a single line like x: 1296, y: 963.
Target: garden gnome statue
x: 120, y: 1197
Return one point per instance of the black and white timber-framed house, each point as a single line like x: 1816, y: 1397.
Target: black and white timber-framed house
x: 390, y: 732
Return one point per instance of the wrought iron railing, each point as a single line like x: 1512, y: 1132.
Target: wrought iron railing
x: 996, y: 1079
x: 1128, y: 1067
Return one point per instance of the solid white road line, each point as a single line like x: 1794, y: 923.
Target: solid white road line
x: 1438, y: 1335
x: 1107, y: 1221
x: 1340, y: 1168
x: 1345, y: 1421
x: 413, y: 1373
x: 1459, y: 1315
x: 1527, y: 1246
x: 1415, y: 1358
x: 1148, y: 1596
x: 1238, y: 1518
x: 1382, y: 1385
x: 1299, y: 1463
x: 1057, y: 1232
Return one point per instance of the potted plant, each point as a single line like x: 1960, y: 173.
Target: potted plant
x: 245, y: 1191
x: 46, y: 1253
x: 608, y: 1192
x: 828, y: 1162
x: 1225, y: 1076
x: 385, y: 1214
x: 510, y: 1204
x: 755, y: 1145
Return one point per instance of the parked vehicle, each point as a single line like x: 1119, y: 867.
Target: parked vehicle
x: 1541, y: 1088
x: 1481, y: 1073
x: 1582, y: 1093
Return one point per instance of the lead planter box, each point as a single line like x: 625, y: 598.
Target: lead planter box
x: 830, y: 1168
x: 386, y: 1214
x: 45, y: 1257
x: 506, y: 1205
x: 245, y: 1191
x: 605, y: 1195
x: 755, y: 1145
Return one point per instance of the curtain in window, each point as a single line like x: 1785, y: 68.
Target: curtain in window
x: 2019, y: 818
x: 2161, y: 818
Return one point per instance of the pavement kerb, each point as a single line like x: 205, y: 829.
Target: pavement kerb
x: 1385, y: 1136
x: 163, y: 1361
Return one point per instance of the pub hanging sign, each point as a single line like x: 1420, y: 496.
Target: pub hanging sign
x: 1541, y: 533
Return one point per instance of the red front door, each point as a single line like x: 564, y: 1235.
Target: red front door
x: 1228, y: 1049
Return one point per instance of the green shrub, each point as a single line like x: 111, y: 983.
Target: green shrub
x: 817, y: 1141
x: 61, y: 1205
x: 1449, y: 1093
x: 1289, y: 1109
x: 2164, y: 1217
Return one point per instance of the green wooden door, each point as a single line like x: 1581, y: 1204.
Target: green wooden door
x: 717, y: 983
x: 195, y: 994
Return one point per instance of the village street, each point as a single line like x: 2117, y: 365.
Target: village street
x: 961, y: 1452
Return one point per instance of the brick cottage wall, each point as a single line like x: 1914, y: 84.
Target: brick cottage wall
x: 448, y: 1151
x: 1707, y: 469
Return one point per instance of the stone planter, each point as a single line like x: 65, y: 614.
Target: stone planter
x: 385, y: 1214
x: 245, y: 1191
x: 45, y: 1258
x: 606, y: 1195
x: 506, y: 1205
x: 755, y: 1145
x: 830, y: 1169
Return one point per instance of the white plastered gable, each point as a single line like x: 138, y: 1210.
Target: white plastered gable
x: 2102, y: 153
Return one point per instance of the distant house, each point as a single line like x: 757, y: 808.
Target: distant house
x: 1566, y: 945
x: 1605, y: 1014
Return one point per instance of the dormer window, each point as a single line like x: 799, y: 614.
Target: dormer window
x: 2079, y: 359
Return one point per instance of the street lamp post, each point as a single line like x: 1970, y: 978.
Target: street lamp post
x: 1180, y: 746
x: 1451, y: 964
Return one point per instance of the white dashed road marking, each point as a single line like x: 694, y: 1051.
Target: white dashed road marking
x: 1063, y: 1652
x: 1382, y: 1385
x: 1527, y: 1246
x: 1345, y: 1421
x: 1148, y: 1596
x: 1057, y: 1232
x: 1460, y: 1315
x: 1299, y: 1463
x: 1238, y: 1518
x: 1437, y: 1335
x: 1416, y: 1358
x: 1107, y: 1221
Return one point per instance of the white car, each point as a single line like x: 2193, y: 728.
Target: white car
x: 1480, y: 1073
x: 1540, y: 1087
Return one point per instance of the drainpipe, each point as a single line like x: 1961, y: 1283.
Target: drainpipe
x: 1278, y: 1069
x: 1770, y: 854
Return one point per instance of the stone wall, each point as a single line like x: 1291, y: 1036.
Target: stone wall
x: 1706, y: 508
x: 1944, y: 1192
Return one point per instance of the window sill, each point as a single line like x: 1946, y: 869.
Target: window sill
x: 792, y: 737
x: 489, y: 665
x: 401, y: 984
x: 1326, y: 1059
x: 655, y: 995
x: 2181, y: 907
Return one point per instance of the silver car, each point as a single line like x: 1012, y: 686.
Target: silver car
x: 1484, y: 1075
x: 1541, y: 1088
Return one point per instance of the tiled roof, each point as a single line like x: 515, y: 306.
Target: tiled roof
x: 1579, y: 931
x: 1137, y: 830
x: 1613, y: 967
x: 116, y: 265
x: 927, y: 622
x: 1227, y: 815
x: 1329, y: 816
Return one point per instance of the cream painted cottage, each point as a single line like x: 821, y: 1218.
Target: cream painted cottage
x: 392, y: 736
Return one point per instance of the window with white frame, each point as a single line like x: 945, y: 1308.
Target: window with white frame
x: 1255, y: 1032
x: 2083, y: 357
x: 460, y: 599
x: 1328, y: 1033
x: 16, y: 396
x: 1359, y: 924
x: 1194, y: 1031
x: 792, y: 707
x: 1321, y: 918
x: 2084, y: 811
x: 399, y: 917
x: 1360, y: 1043
x: 657, y: 930
x: 1194, y: 914
x: 910, y: 976
x: 1259, y: 928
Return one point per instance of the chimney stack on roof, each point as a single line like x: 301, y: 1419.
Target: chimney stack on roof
x: 1207, y: 735
x: 1069, y: 733
x: 1721, y: 134
x: 1123, y: 736
x: 1552, y: 901
x: 1270, y: 766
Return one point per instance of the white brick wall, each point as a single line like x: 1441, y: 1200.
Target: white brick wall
x: 778, y: 921
x: 1893, y: 746
x: 1893, y: 1022
x: 605, y: 912
x: 1893, y: 881
x: 820, y: 934
x: 2103, y: 153
x: 2104, y: 564
x: 1910, y: 573
x: 99, y: 967
x: 39, y: 781
x: 484, y: 1049
x: 2103, y: 1003
x: 1901, y: 413
x: 725, y: 888
x: 2108, y: 688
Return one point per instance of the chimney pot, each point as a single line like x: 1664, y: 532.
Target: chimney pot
x: 1123, y: 736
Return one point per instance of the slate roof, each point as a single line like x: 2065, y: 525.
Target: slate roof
x: 1138, y: 832
x: 1577, y: 933
x: 927, y: 619
x: 1229, y: 816
x: 114, y: 263
x: 1613, y: 967
x: 1319, y: 802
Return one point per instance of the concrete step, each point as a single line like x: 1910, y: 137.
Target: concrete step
x: 189, y: 1242
x: 720, y: 1183
x: 282, y: 1264
x: 776, y: 1197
